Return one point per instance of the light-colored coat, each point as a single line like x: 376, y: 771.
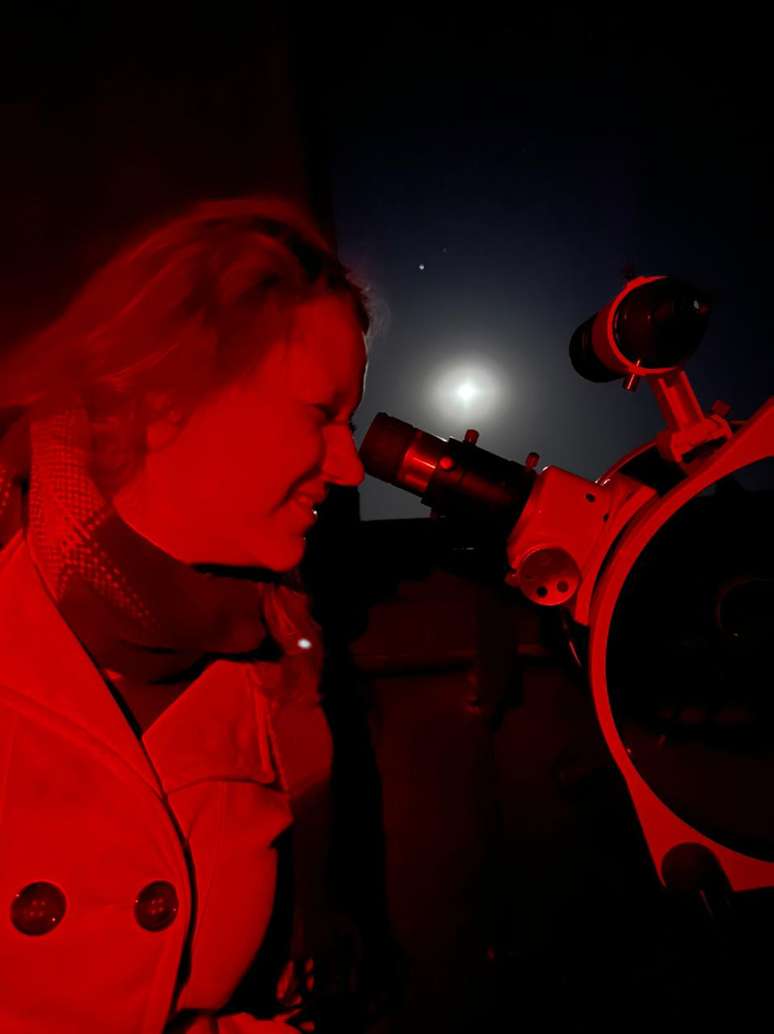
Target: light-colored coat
x: 88, y: 807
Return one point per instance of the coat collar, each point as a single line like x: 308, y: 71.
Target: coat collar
x: 45, y: 665
x: 47, y: 671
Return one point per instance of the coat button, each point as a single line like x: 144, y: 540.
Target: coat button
x: 156, y: 905
x: 38, y: 908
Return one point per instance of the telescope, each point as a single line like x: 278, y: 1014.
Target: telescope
x: 663, y: 574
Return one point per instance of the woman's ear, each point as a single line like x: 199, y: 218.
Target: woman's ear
x: 165, y: 423
x: 160, y: 433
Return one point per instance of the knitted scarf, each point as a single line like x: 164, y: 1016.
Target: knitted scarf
x: 146, y: 619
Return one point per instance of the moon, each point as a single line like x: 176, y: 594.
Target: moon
x: 467, y: 390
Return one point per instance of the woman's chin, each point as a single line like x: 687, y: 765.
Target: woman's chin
x: 281, y: 555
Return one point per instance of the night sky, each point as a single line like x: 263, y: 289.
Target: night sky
x: 526, y: 164
x: 526, y: 159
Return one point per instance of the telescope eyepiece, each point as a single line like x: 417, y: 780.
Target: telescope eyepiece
x: 384, y: 446
x: 457, y: 479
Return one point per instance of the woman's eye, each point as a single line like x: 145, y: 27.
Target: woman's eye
x: 330, y: 417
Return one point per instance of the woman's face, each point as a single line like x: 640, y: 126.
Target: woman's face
x: 238, y: 483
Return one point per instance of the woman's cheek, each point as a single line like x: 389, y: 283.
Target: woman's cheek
x: 311, y: 450
x: 302, y: 457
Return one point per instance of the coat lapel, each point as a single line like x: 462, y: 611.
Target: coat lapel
x: 42, y: 661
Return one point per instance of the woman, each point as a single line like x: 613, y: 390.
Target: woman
x: 175, y: 429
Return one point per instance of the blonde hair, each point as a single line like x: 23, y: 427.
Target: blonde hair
x: 172, y: 318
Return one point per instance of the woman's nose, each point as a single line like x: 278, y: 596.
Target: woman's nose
x: 344, y: 466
